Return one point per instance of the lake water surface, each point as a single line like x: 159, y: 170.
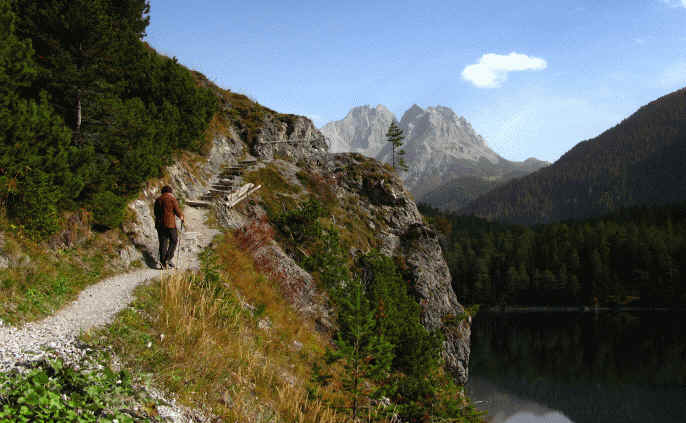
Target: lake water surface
x: 561, y: 367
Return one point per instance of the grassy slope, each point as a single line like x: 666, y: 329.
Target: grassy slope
x: 225, y: 340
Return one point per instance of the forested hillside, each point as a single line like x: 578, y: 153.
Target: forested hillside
x: 639, y: 161
x: 88, y: 111
x: 636, y: 256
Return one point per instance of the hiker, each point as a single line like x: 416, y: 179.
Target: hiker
x: 166, y: 208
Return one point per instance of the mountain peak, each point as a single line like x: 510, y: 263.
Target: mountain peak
x: 412, y: 113
x: 439, y: 145
x: 363, y: 130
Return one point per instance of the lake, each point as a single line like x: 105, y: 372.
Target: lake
x: 561, y: 367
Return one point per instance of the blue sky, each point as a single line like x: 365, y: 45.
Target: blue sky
x: 533, y: 77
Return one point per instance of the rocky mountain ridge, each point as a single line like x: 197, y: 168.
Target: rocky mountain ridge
x: 440, y: 146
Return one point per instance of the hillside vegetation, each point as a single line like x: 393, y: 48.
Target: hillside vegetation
x: 638, y: 162
x: 88, y: 112
x: 633, y: 257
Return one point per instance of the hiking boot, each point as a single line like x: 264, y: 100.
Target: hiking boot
x: 162, y: 266
x: 170, y: 265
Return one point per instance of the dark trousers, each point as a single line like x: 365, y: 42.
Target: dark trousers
x: 168, y: 239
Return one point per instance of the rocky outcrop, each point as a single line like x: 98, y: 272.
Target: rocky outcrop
x: 404, y: 234
x: 289, y: 137
x: 422, y: 251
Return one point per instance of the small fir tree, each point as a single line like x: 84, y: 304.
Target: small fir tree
x: 365, y: 354
x: 395, y: 137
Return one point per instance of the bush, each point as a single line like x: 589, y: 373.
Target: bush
x: 52, y: 392
x: 108, y: 209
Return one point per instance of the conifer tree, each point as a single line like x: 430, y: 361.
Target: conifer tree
x: 395, y: 137
x: 81, y: 46
x: 365, y: 354
x: 35, y: 149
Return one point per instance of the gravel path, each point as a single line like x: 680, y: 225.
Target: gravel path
x: 97, y: 305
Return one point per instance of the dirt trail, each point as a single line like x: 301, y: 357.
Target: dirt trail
x: 98, y: 304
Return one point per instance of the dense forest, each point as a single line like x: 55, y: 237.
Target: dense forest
x: 638, y: 162
x: 636, y: 256
x: 88, y: 111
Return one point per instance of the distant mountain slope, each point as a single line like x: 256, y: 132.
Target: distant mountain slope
x: 459, y: 192
x: 440, y: 146
x: 640, y: 161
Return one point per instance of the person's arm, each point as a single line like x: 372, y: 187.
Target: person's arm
x: 158, y: 212
x: 177, y: 210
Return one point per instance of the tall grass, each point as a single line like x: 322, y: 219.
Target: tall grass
x: 203, y: 336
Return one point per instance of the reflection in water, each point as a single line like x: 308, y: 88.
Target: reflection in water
x: 580, y: 367
x: 505, y: 407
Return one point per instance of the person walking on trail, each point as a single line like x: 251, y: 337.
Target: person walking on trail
x: 166, y: 210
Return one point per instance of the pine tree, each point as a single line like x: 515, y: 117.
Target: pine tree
x: 81, y: 46
x: 35, y: 150
x: 365, y: 354
x: 395, y: 137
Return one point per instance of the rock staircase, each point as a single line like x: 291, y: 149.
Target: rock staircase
x: 227, y: 187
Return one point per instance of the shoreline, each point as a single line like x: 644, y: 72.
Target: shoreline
x: 577, y: 309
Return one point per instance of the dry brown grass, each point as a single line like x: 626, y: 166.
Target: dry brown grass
x: 207, y: 344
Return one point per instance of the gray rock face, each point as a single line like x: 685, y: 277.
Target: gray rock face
x: 362, y: 131
x: 420, y: 246
x: 295, y: 138
x: 439, y: 145
x: 406, y: 235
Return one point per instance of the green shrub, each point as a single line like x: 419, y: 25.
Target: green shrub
x: 108, y: 209
x: 137, y: 109
x: 52, y: 392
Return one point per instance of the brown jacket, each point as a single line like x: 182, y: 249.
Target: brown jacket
x: 166, y: 207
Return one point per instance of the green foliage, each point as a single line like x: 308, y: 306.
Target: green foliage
x: 398, y: 315
x: 636, y: 256
x: 395, y: 136
x: 52, y: 392
x: 108, y: 209
x: 34, y: 146
x: 383, y: 345
x: 366, y: 353
x: 87, y: 110
x: 302, y: 224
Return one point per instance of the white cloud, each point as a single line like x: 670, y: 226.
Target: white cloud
x: 492, y: 69
x: 675, y: 3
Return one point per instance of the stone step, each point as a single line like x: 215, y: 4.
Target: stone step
x: 208, y: 197
x: 229, y: 174
x: 222, y: 186
x: 199, y: 204
x: 220, y: 191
